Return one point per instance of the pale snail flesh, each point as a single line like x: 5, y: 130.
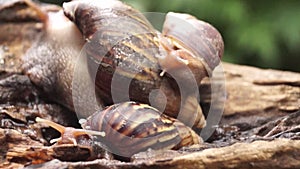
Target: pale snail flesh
x: 128, y: 128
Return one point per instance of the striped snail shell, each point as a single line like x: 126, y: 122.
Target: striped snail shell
x: 131, y: 127
x: 117, y: 37
x: 206, y: 43
x: 196, y: 41
x: 123, y: 48
x: 128, y: 128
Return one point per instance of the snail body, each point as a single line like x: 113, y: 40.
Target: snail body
x: 128, y: 128
x: 51, y: 61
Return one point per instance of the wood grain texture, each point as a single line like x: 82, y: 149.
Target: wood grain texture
x: 255, y: 94
x: 282, y: 153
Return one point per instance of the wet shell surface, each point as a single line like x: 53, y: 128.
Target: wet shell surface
x: 201, y: 38
x: 121, y: 49
x: 131, y: 127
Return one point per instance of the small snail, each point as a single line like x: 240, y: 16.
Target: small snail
x: 128, y: 128
x: 118, y: 41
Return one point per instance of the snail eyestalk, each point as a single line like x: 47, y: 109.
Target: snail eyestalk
x: 55, y: 140
x: 90, y: 132
x: 68, y: 134
x: 56, y: 126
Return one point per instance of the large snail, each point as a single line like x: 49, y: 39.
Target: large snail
x: 118, y: 41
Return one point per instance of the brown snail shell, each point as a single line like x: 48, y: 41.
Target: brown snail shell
x: 206, y: 43
x: 197, y: 42
x: 116, y: 38
x: 139, y: 127
x: 128, y: 128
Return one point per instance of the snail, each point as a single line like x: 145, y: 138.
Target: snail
x: 118, y: 41
x: 138, y: 54
x: 128, y: 128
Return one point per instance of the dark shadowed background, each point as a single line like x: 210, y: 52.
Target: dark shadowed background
x: 260, y: 33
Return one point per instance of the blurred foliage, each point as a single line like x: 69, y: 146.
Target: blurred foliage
x: 259, y: 33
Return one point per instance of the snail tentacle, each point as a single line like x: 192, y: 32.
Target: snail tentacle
x: 68, y: 134
x: 52, y: 124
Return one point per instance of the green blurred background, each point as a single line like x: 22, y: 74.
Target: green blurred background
x: 265, y: 33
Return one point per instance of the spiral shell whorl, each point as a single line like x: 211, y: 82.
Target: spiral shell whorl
x: 90, y: 16
x: 200, y: 37
x: 120, y: 46
x: 131, y: 128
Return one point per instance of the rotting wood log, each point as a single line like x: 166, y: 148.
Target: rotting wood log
x: 274, y: 153
x: 282, y: 153
x: 254, y: 94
